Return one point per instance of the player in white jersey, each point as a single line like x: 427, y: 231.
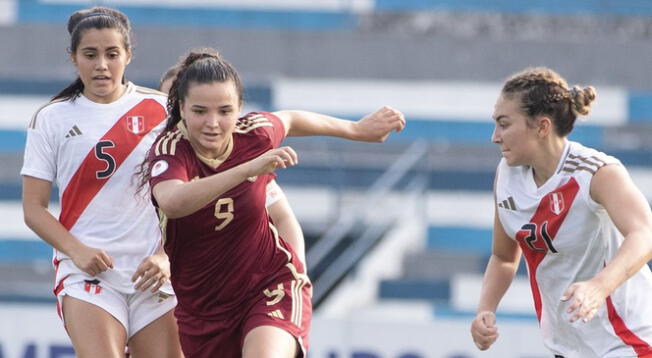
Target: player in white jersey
x: 573, y: 212
x: 111, y: 277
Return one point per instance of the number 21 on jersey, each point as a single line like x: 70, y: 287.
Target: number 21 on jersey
x: 535, y: 237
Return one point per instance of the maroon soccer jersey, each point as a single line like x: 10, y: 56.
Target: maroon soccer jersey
x: 221, y: 254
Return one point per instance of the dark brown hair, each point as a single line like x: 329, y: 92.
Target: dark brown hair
x: 99, y: 18
x: 170, y: 73
x: 543, y: 91
x: 199, y: 67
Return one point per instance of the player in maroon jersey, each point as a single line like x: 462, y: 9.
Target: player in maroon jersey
x: 241, y: 289
x: 278, y: 206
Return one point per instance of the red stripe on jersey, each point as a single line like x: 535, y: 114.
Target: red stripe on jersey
x: 642, y: 348
x: 58, y: 286
x: 84, y: 184
x: 544, y: 226
x: 55, y: 263
x: 56, y: 293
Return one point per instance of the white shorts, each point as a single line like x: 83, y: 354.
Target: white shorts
x: 134, y: 311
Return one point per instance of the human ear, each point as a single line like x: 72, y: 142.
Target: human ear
x: 544, y: 126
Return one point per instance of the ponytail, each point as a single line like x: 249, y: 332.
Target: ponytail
x: 71, y: 92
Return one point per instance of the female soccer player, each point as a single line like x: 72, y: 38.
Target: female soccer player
x: 111, y: 278
x: 242, y: 291
x: 276, y: 202
x: 583, y: 226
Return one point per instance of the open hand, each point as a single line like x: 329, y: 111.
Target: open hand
x: 586, y: 298
x: 152, y: 272
x: 376, y: 126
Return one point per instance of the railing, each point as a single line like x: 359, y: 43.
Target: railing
x: 328, y: 262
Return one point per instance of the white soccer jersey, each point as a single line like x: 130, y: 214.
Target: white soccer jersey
x: 567, y: 237
x: 91, y: 151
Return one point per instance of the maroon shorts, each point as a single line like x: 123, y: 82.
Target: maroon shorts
x: 283, y: 303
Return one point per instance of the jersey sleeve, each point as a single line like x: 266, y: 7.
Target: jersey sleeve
x: 165, y: 165
x: 596, y: 160
x: 264, y: 124
x: 40, y: 155
x: 278, y: 129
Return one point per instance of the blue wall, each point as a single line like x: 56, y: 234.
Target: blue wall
x: 34, y: 11
x: 564, y: 7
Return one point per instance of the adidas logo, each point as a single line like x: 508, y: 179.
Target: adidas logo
x: 508, y: 204
x: 276, y: 314
x: 74, y: 131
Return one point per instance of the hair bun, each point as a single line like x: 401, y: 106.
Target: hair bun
x: 582, y: 99
x: 200, y: 54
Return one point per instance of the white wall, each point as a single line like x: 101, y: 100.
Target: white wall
x: 463, y: 101
x: 7, y: 12
x: 35, y: 331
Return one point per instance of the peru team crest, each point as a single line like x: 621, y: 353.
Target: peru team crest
x: 556, y: 203
x: 136, y: 124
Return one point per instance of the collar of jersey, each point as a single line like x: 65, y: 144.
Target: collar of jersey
x: 531, y: 185
x: 213, y: 163
x: 130, y: 88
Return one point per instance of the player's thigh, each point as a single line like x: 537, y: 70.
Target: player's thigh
x: 94, y: 332
x: 160, y: 338
x: 283, y: 304
x: 269, y: 342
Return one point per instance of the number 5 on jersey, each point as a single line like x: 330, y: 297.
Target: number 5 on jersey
x: 105, y: 157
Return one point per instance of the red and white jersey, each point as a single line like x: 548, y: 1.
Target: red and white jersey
x: 567, y: 237
x: 90, y: 151
x: 222, y: 255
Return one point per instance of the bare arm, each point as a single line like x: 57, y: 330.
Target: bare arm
x: 287, y: 224
x: 375, y: 127
x: 36, y: 196
x: 502, y: 266
x: 628, y: 209
x: 498, y: 276
x: 177, y: 198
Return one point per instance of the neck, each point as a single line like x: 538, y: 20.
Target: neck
x: 547, y: 160
x: 106, y: 100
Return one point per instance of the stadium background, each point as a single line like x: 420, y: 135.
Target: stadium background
x: 399, y: 232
